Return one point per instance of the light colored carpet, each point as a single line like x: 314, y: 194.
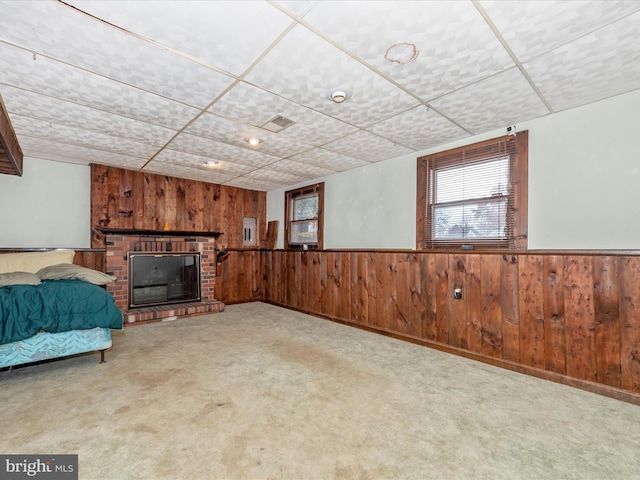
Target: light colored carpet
x: 260, y: 392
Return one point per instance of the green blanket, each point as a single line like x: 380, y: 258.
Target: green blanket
x: 55, y: 306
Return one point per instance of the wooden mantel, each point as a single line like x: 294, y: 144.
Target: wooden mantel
x: 157, y: 233
x: 10, y: 152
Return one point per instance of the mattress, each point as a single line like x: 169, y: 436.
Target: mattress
x: 43, y: 346
x: 55, y: 306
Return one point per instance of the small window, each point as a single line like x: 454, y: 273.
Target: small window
x: 475, y: 196
x: 304, y: 217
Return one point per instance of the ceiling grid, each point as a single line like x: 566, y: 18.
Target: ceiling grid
x: 179, y: 87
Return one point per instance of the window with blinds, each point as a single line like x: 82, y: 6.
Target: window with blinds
x: 304, y: 218
x: 471, y: 196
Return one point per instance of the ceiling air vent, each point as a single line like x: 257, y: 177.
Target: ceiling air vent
x: 278, y: 123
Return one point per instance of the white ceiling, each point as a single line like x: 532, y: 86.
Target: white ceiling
x: 166, y: 85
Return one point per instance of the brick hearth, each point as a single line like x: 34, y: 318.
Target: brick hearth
x: 120, y: 244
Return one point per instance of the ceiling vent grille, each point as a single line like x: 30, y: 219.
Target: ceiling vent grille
x: 278, y: 123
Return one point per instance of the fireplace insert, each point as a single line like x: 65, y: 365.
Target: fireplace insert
x: 163, y: 278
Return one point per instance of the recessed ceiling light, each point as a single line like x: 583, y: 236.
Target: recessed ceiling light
x: 210, y: 163
x: 338, y: 95
x: 254, y: 142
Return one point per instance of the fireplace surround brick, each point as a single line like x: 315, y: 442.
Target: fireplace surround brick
x: 118, y: 246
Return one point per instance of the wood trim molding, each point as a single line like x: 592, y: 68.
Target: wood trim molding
x: 46, y: 249
x: 521, y: 198
x: 421, y: 198
x: 589, y: 253
x: 11, y: 156
x: 156, y: 233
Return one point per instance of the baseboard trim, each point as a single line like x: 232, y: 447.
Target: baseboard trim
x: 593, y: 387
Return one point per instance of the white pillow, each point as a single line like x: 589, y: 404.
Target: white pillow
x: 19, y: 278
x: 31, y: 262
x: 69, y: 271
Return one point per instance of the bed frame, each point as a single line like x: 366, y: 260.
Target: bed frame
x: 45, y: 346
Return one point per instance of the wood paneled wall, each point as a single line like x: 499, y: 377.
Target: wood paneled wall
x: 85, y: 257
x: 132, y: 199
x: 240, y: 277
x: 575, y: 316
x: 94, y: 259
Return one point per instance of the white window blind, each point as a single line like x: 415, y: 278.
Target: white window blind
x: 470, y: 200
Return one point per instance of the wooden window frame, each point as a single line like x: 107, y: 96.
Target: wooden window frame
x: 518, y: 238
x: 289, y: 196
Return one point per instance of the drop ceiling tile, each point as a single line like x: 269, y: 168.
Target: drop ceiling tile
x: 535, y: 27
x: 326, y: 159
x: 53, y: 29
x: 318, y: 129
x: 455, y: 45
x: 55, y: 79
x: 248, y: 104
x: 220, y: 151
x: 597, y: 66
x: 197, y: 162
x: 223, y: 130
x: 214, y: 32
x: 418, y: 129
x: 264, y: 174
x: 49, y: 109
x: 182, y: 171
x: 63, y: 152
x: 303, y: 68
x: 304, y: 169
x: 254, y: 184
x: 75, y: 136
x: 493, y: 103
x: 367, y: 146
x: 96, y: 94
x: 297, y: 7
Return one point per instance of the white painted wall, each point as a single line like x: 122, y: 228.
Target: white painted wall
x: 49, y: 206
x: 584, y: 186
x: 584, y: 177
x: 368, y: 207
x: 584, y: 191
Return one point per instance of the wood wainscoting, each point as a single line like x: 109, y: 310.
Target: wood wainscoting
x: 240, y: 277
x: 571, y: 317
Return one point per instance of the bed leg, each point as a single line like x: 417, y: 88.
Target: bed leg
x: 102, y: 360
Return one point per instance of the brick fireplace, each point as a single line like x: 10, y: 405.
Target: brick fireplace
x: 121, y: 242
